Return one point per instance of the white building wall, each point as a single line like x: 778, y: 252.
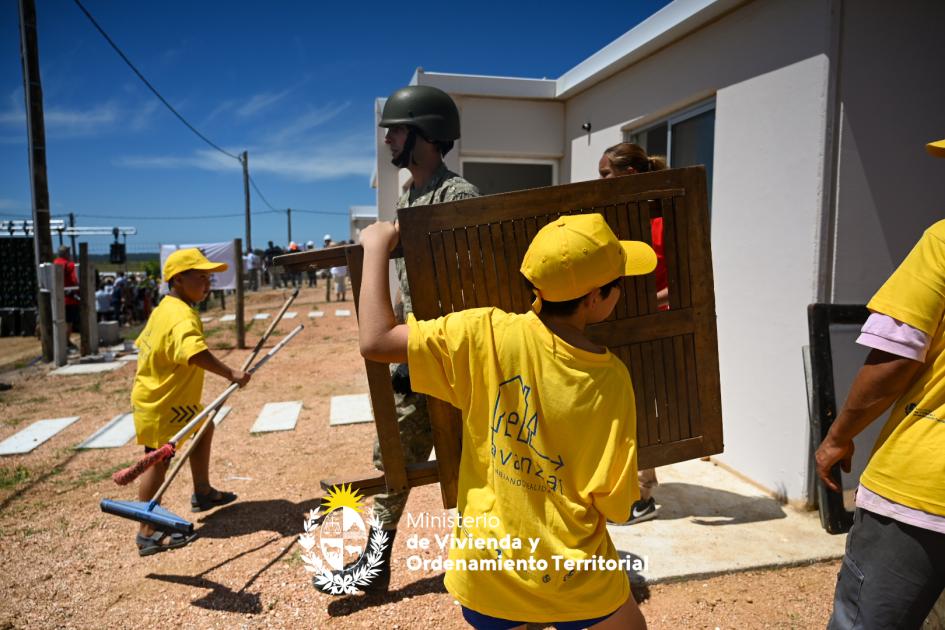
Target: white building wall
x: 512, y: 128
x: 889, y: 188
x: 766, y: 66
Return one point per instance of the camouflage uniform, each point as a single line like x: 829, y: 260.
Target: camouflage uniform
x: 416, y: 436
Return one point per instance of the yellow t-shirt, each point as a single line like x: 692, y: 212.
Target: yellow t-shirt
x: 167, y: 389
x: 549, y: 454
x: 908, y: 461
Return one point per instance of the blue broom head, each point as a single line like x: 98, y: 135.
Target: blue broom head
x: 148, y: 513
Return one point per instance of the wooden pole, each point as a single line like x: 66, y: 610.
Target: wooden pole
x: 75, y: 254
x: 249, y: 229
x: 240, y: 318
x: 33, y: 93
x: 288, y: 216
x: 87, y: 317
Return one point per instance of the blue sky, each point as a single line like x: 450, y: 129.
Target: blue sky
x: 293, y: 83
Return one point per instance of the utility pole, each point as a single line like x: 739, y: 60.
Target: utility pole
x: 75, y: 254
x: 249, y: 229
x: 33, y: 93
x: 288, y: 216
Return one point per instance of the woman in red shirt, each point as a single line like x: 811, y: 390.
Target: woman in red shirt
x: 627, y: 159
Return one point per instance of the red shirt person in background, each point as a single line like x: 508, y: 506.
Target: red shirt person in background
x: 627, y: 159
x: 71, y: 285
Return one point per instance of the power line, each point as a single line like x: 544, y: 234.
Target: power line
x: 148, y: 83
x: 172, y: 218
x: 340, y: 214
x: 193, y: 129
x: 261, y: 196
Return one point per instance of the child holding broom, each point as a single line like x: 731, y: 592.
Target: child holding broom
x: 172, y: 357
x: 549, y: 428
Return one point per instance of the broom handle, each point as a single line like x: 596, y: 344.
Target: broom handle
x: 229, y: 390
x: 212, y: 408
x: 197, y: 437
x: 272, y: 326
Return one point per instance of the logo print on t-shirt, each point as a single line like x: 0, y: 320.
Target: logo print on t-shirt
x: 515, y: 450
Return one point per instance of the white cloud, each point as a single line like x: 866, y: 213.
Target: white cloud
x: 60, y: 121
x: 260, y: 102
x: 325, y: 159
x: 308, y: 121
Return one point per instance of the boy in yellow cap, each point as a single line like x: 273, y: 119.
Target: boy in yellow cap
x: 172, y: 357
x: 549, y: 428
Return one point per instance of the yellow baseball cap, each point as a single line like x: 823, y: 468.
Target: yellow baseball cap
x: 573, y: 255
x: 187, y: 259
x: 936, y: 148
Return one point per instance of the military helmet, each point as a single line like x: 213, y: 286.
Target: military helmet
x: 429, y: 109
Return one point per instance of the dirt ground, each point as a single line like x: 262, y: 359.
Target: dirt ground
x: 68, y: 565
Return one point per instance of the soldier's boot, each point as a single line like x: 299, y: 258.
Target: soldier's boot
x: 380, y: 583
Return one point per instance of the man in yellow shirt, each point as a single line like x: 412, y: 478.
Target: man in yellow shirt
x: 172, y: 357
x: 893, y: 570
x: 549, y: 428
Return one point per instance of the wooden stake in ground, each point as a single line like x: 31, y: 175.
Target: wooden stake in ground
x: 240, y: 314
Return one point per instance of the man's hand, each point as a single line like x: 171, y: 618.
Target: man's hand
x: 381, y: 235
x: 829, y: 453
x: 239, y: 377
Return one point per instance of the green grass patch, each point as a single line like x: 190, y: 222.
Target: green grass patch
x: 93, y: 476
x: 11, y: 477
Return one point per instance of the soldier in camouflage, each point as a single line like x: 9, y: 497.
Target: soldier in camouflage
x: 422, y: 124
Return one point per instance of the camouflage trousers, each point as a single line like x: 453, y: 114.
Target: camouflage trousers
x: 416, y: 436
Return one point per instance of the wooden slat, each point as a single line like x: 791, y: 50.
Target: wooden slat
x: 611, y: 215
x: 521, y: 245
x: 490, y: 269
x: 500, y: 257
x: 441, y: 280
x: 635, y: 231
x: 512, y: 262
x: 477, y: 267
x: 683, y: 257
x: 670, y: 252
x: 451, y: 270
x: 650, y: 278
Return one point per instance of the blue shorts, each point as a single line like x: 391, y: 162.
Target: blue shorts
x: 480, y: 621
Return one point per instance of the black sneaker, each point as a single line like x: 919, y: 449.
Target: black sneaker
x: 642, y: 510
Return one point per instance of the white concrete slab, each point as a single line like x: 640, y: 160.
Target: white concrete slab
x: 711, y: 522
x: 116, y: 433
x: 290, y: 315
x: 261, y: 316
x: 207, y: 319
x: 87, y: 368
x: 221, y: 414
x: 129, y: 357
x: 32, y: 436
x: 343, y: 312
x: 281, y: 416
x: 229, y: 317
x: 350, y: 409
x: 314, y: 314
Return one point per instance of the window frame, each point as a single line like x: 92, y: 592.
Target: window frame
x: 631, y: 133
x: 555, y: 164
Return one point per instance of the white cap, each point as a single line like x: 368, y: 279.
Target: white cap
x: 327, y: 237
x: 310, y: 243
